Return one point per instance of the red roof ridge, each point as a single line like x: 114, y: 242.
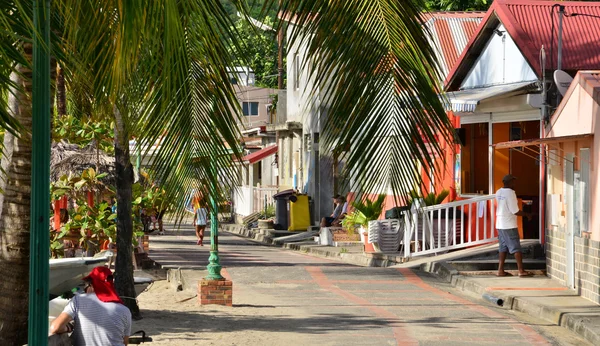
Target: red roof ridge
x: 452, y: 14
x: 529, y: 33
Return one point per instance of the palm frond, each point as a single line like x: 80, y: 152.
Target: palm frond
x: 376, y: 79
x: 165, y: 61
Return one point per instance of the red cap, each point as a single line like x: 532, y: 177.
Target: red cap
x: 102, y: 281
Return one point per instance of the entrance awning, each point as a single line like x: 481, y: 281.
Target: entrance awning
x: 524, y: 146
x: 538, y: 141
x: 465, y: 101
x: 259, y: 155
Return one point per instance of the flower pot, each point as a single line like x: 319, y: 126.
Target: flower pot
x: 265, y: 224
x: 365, y: 237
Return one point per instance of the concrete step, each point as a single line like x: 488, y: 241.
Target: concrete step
x: 348, y: 244
x: 492, y: 264
x: 530, y: 249
x: 273, y: 233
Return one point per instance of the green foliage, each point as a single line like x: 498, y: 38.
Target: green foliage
x: 370, y: 209
x: 269, y: 212
x: 429, y: 199
x: 354, y: 218
x: 258, y: 50
x: 82, y: 132
x: 95, y: 224
x: 365, y: 211
x: 457, y: 5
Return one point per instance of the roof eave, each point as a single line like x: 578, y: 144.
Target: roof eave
x: 471, y: 51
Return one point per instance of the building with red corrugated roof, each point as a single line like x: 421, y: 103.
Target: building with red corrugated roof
x: 502, y: 93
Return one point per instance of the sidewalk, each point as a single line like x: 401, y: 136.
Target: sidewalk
x: 538, y: 296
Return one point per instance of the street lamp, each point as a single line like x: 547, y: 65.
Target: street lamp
x: 214, y: 267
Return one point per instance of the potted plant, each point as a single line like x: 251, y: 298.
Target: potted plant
x: 266, y: 218
x: 365, y: 211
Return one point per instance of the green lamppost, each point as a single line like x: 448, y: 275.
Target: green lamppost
x: 214, y: 267
x: 40, y: 178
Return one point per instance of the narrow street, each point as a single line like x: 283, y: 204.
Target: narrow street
x: 282, y: 297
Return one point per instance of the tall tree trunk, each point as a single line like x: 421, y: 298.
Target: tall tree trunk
x: 15, y: 217
x: 61, y: 94
x: 15, y: 211
x: 124, y: 170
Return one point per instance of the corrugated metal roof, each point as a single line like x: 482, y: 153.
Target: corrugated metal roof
x: 580, y: 31
x: 529, y: 24
x: 450, y: 33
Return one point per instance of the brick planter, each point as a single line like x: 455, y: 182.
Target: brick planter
x: 342, y: 235
x: 217, y: 292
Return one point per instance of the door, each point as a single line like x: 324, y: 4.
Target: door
x: 570, y: 229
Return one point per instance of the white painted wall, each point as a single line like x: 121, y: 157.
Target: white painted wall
x: 243, y: 201
x: 501, y: 62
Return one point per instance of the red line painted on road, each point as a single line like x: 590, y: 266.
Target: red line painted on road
x: 526, y: 289
x: 401, y: 336
x: 370, y: 282
x: 527, y: 332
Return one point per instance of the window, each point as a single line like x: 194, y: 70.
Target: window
x: 296, y: 71
x: 250, y: 108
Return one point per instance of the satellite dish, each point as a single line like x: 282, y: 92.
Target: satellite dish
x: 563, y: 81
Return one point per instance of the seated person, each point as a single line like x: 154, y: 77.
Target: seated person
x: 338, y: 221
x: 337, y: 211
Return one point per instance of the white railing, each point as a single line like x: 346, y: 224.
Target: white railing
x: 440, y: 228
x: 250, y: 199
x: 263, y: 197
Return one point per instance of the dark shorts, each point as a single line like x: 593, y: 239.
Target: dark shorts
x: 508, y: 240
x: 329, y: 220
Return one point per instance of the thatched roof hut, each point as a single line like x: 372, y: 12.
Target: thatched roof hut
x: 71, y: 160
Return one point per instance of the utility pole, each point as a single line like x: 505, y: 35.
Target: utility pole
x: 561, y: 14
x: 40, y: 183
x: 280, y: 55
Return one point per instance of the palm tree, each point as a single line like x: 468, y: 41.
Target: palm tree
x: 161, y: 67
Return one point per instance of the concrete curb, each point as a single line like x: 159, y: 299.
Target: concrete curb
x: 579, y: 323
x: 360, y: 259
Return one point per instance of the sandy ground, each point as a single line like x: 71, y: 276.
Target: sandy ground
x: 177, y: 318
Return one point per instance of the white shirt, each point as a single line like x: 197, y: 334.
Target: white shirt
x: 507, y: 208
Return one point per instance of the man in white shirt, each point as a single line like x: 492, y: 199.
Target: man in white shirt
x: 506, y: 224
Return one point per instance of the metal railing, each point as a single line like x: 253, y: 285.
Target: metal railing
x: 440, y: 228
x: 263, y: 197
x: 250, y: 199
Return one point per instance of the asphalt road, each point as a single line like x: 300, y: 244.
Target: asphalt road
x: 283, y: 297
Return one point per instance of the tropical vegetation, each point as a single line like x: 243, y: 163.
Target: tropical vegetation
x: 365, y: 211
x: 457, y: 5
x: 158, y: 70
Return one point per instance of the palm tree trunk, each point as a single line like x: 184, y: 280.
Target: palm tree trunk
x: 15, y: 217
x: 15, y: 211
x: 124, y: 263
x: 61, y: 94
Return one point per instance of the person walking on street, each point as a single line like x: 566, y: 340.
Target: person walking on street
x: 506, y: 224
x: 200, y: 218
x: 99, y: 316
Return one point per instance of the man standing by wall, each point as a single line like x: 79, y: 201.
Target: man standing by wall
x: 506, y: 224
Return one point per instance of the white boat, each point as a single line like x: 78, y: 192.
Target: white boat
x: 67, y: 273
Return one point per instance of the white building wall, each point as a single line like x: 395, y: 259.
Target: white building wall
x: 501, y: 62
